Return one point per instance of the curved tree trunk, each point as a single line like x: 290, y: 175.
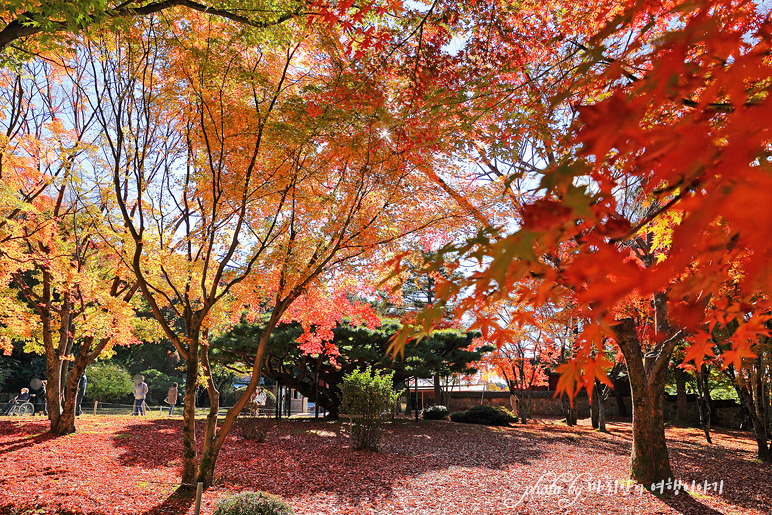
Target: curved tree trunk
x: 214, y: 437
x: 649, y: 459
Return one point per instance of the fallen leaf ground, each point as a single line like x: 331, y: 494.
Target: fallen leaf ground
x: 125, y: 465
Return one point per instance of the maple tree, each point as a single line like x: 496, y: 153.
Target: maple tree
x: 662, y: 106
x: 523, y: 353
x: 233, y: 163
x: 750, y: 379
x: 255, y: 179
x: 64, y: 292
x: 752, y: 384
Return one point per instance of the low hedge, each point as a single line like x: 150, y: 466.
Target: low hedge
x: 438, y: 412
x: 252, y: 503
x: 485, y: 415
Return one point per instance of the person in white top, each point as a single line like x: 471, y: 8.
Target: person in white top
x: 140, y: 392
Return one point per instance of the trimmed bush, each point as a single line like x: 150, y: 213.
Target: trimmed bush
x: 107, y: 382
x: 485, y: 415
x: 438, y: 412
x: 370, y: 394
x: 252, y: 503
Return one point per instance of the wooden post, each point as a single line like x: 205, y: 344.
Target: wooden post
x: 199, y: 491
x: 350, y: 417
x: 95, y: 406
x: 415, y: 406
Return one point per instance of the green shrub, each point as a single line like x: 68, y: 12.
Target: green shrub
x: 370, y: 394
x: 107, y: 382
x: 438, y: 412
x: 485, y: 415
x: 252, y: 503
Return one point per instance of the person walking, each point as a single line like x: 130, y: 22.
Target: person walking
x: 82, y: 382
x: 171, y: 398
x: 140, y: 392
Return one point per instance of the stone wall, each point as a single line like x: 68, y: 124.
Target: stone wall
x: 727, y: 412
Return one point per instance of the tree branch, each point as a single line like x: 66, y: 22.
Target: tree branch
x: 23, y: 25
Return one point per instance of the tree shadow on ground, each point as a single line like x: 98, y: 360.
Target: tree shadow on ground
x: 31, y: 434
x: 301, y: 457
x: 301, y: 460
x: 746, y: 482
x: 312, y: 456
x: 688, y: 505
x: 178, y: 502
x: 692, y: 459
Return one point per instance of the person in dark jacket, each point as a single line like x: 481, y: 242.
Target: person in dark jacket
x: 81, y: 392
x: 39, y: 394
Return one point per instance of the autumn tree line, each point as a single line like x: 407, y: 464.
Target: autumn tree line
x: 170, y: 169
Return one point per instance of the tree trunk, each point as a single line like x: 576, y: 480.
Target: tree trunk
x: 522, y: 407
x: 602, y: 413
x: 759, y: 430
x: 682, y: 416
x: 448, y: 391
x: 528, y: 404
x: 649, y: 460
x: 569, y: 411
x: 703, y: 402
x: 189, y: 462
x: 437, y: 389
x: 62, y: 416
x: 620, y: 397
x: 65, y: 423
x: 215, y: 438
x: 601, y: 393
x: 594, y: 411
x: 208, y: 455
x: 53, y: 387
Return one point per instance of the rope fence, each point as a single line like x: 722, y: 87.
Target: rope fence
x: 162, y: 410
x: 106, y: 408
